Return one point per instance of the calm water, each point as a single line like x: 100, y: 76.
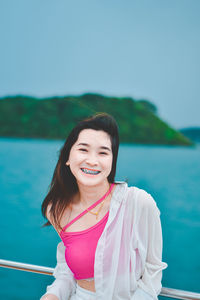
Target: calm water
x: 170, y: 174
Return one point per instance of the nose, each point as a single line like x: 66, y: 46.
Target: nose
x: 92, y: 159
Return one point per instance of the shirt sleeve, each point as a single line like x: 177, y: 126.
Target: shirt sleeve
x: 150, y: 239
x: 64, y: 283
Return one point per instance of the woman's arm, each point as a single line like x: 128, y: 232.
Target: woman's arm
x: 64, y: 283
x: 150, y: 239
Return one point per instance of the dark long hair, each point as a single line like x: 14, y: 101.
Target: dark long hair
x: 63, y: 185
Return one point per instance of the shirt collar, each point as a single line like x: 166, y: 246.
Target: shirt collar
x: 116, y: 200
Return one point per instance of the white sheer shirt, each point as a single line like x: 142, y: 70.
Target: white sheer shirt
x: 128, y: 257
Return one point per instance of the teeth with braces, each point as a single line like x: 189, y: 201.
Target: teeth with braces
x: 86, y: 171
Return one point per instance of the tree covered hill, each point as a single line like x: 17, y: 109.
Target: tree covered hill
x: 53, y: 118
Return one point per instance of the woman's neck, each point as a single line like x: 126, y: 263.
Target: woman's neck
x: 90, y: 194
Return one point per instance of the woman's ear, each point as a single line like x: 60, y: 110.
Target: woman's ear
x: 67, y: 163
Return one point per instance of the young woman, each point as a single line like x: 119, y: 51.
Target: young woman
x: 111, y: 235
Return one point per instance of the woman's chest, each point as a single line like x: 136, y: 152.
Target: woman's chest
x: 78, y: 222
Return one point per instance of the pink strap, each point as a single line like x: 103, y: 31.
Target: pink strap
x: 91, y: 207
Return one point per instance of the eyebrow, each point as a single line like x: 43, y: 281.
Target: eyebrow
x: 87, y: 145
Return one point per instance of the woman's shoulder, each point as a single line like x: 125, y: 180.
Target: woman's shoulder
x: 141, y: 197
x: 64, y: 217
x: 50, y: 217
x: 48, y: 213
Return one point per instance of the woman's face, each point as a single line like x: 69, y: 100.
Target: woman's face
x: 90, y: 158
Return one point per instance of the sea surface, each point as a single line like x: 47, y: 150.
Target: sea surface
x: 170, y: 174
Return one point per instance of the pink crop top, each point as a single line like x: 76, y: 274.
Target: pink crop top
x: 81, y: 245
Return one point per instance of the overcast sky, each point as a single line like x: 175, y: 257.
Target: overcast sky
x: 146, y: 49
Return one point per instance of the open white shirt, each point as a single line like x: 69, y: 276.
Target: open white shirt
x: 128, y: 257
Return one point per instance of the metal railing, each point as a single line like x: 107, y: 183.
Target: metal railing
x: 166, y: 292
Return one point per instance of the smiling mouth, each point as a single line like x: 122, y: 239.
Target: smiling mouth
x: 89, y: 171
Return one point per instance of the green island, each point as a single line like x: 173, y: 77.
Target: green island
x: 53, y: 118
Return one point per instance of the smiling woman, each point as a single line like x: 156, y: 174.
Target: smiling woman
x: 106, y: 252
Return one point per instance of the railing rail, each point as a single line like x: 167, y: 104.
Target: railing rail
x: 166, y: 292
x: 26, y: 267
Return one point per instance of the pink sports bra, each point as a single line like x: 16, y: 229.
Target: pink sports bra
x: 81, y: 245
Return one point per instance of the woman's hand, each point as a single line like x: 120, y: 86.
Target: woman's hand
x: 49, y: 297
